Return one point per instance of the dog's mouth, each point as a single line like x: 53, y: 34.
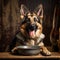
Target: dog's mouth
x: 32, y: 33
x: 31, y: 29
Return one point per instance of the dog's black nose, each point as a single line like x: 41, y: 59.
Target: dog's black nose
x: 33, y: 27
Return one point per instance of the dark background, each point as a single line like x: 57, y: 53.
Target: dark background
x: 10, y: 18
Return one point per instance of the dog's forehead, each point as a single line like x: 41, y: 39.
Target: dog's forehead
x: 31, y: 15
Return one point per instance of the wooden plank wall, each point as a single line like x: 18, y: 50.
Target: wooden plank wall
x: 10, y: 22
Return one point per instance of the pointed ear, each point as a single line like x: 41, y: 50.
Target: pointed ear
x: 39, y: 11
x: 23, y: 10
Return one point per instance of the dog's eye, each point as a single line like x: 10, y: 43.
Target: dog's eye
x: 28, y: 20
x: 35, y: 19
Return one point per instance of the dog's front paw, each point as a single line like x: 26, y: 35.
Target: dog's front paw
x: 45, y: 51
x: 14, y: 50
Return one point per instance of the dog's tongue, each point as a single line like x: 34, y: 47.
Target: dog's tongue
x: 32, y: 33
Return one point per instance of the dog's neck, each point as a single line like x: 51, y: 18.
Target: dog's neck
x: 31, y: 41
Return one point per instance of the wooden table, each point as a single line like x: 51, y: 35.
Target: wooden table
x: 7, y: 55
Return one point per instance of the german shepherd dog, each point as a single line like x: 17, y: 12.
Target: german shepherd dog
x: 30, y: 30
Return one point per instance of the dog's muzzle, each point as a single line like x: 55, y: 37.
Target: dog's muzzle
x: 31, y: 29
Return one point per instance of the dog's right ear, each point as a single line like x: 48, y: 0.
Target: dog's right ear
x: 23, y: 10
x: 39, y: 12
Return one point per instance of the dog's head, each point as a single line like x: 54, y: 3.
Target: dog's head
x: 31, y: 25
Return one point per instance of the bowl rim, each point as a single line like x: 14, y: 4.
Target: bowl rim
x: 27, y: 47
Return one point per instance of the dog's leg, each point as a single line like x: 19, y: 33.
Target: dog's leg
x: 44, y: 50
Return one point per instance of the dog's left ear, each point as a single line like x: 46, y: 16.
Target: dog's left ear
x: 23, y: 10
x: 39, y: 11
